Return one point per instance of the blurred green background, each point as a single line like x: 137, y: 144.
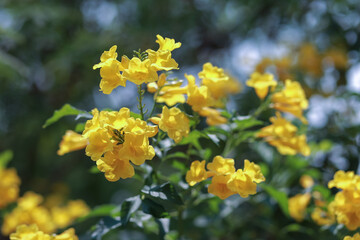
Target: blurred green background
x: 48, y: 48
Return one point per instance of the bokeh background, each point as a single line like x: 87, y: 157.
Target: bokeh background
x: 48, y: 48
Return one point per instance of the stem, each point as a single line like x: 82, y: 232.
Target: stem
x: 140, y: 98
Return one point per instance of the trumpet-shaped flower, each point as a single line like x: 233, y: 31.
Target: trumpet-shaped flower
x: 261, y: 83
x: 167, y: 44
x: 222, y: 166
x: 242, y: 183
x: 140, y: 72
x: 32, y: 232
x: 213, y: 116
x: 70, y: 142
x: 110, y: 71
x: 198, y: 97
x: 291, y: 99
x: 197, y: 173
x: 171, y: 94
x: 355, y: 237
x: 161, y: 60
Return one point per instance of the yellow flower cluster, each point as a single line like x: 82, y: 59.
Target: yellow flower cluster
x: 9, y: 186
x: 70, y: 142
x: 32, y: 232
x: 346, y: 205
x: 226, y: 180
x: 30, y: 210
x: 138, y: 69
x: 115, y: 139
x: 355, y: 237
x: 282, y: 135
x: 291, y: 99
x: 174, y: 122
x: 216, y: 85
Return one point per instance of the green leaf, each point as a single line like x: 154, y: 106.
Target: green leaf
x: 66, y: 110
x: 135, y: 115
x: 165, y: 195
x: 193, y: 138
x: 247, y: 122
x: 129, y: 206
x: 80, y: 127
x: 99, y: 211
x: 325, y: 192
x: 153, y: 208
x: 104, y: 226
x: 279, y: 196
x: 5, y: 158
x: 94, y: 170
x: 243, y: 136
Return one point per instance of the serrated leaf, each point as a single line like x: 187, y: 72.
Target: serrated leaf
x: 66, y: 110
x: 151, y: 207
x: 247, y: 122
x: 5, y: 158
x: 279, y: 196
x: 129, y: 206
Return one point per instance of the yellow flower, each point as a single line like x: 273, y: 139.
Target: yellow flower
x: 197, y: 173
x: 253, y: 171
x: 110, y: 71
x: 114, y: 139
x: 32, y: 232
x: 161, y: 60
x: 213, y: 116
x: 345, y: 180
x: 66, y: 215
x: 283, y: 67
x: 322, y: 217
x: 291, y: 99
x: 355, y: 237
x: 261, y: 83
x: 140, y: 72
x: 306, y: 181
x: 222, y: 166
x: 198, y: 97
x: 282, y: 135
x: 28, y: 211
x: 297, y: 206
x: 218, y: 82
x: 310, y: 60
x: 171, y: 95
x: 175, y: 123
x: 152, y: 87
x: 338, y: 57
x: 9, y: 186
x: 114, y: 167
x: 71, y: 141
x: 241, y: 183
x: 167, y: 43
x: 219, y: 186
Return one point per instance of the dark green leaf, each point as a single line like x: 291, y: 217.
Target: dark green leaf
x: 129, y: 206
x: 279, y: 196
x: 153, y: 208
x: 66, y: 110
x: 104, y: 226
x: 80, y: 127
x: 248, y: 122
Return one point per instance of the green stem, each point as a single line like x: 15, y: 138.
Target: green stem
x: 140, y: 98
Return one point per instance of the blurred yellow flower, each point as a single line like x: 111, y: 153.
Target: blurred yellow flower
x: 64, y: 216
x: 28, y: 211
x: 114, y: 139
x: 9, y: 186
x: 310, y: 60
x: 218, y: 82
x: 167, y: 44
x: 355, y: 237
x: 197, y: 173
x: 110, y: 71
x: 261, y: 83
x: 213, y: 116
x: 338, y: 57
x: 140, y: 72
x: 70, y: 142
x: 253, y: 171
x: 198, y: 97
x: 291, y: 99
x: 32, y: 232
x: 306, y: 181
x: 345, y: 180
x: 298, y: 205
x: 322, y: 217
x: 282, y: 135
